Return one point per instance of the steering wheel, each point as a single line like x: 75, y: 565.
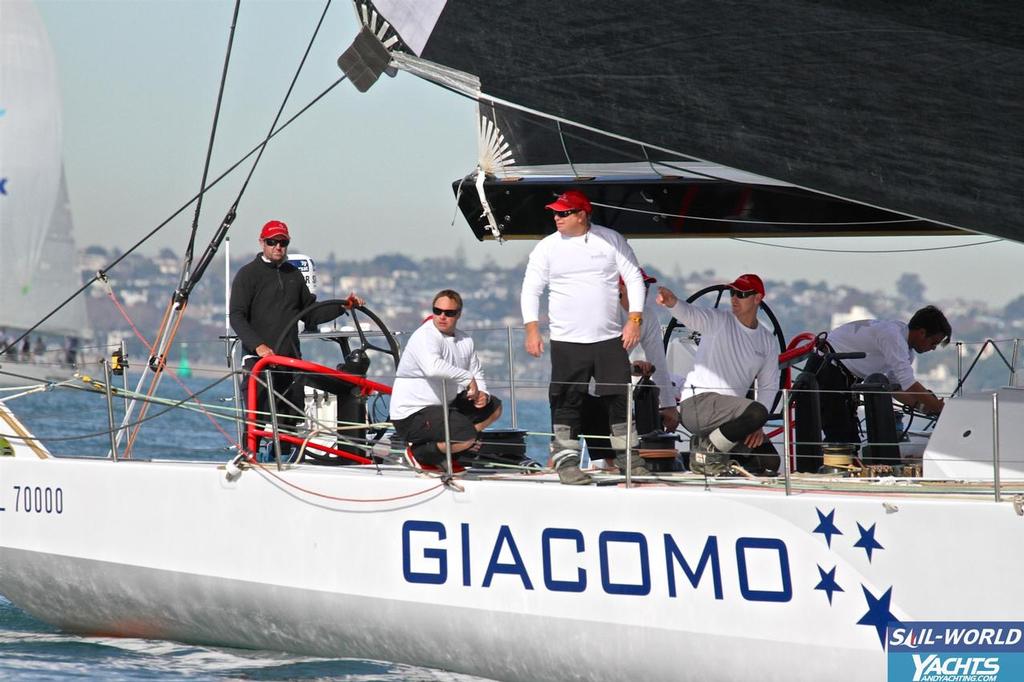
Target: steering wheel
x: 718, y: 291
x: 377, y: 407
x: 392, y: 350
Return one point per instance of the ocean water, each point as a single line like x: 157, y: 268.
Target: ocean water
x: 73, y: 422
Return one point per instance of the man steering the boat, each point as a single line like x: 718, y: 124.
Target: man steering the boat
x: 735, y: 350
x: 580, y: 265
x: 439, y: 362
x: 268, y: 293
x: 889, y: 347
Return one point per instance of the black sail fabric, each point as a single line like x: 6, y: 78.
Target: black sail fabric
x: 912, y: 107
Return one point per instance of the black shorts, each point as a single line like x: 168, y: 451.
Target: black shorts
x: 573, y: 364
x: 427, y: 424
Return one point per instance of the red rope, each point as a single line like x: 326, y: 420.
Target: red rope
x: 346, y: 499
x: 149, y: 350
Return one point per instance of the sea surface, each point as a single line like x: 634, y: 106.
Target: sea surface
x: 73, y: 422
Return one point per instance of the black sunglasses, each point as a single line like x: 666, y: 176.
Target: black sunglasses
x: 275, y: 242
x: 741, y: 294
x: 566, y: 214
x: 447, y: 313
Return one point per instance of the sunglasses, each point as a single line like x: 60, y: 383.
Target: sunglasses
x: 275, y: 242
x: 741, y: 294
x: 447, y: 313
x: 565, y: 214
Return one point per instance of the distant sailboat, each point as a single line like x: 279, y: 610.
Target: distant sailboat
x: 35, y: 216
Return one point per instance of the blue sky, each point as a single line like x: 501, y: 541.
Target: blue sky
x: 358, y: 175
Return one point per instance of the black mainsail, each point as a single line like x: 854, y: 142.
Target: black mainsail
x: 861, y: 113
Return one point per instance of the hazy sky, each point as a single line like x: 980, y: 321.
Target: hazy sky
x: 359, y: 174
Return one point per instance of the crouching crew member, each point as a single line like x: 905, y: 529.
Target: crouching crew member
x: 734, y: 351
x: 437, y: 355
x: 889, y: 347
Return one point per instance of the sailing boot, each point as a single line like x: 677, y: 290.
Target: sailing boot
x: 620, y: 442
x: 706, y: 458
x: 567, y: 463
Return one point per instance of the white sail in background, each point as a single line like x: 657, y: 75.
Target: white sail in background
x: 35, y: 220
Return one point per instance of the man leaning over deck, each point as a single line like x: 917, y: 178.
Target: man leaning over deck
x: 735, y: 349
x: 889, y: 347
x: 437, y: 355
x: 580, y: 264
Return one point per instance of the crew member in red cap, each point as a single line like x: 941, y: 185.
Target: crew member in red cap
x: 266, y: 295
x: 734, y: 351
x: 580, y: 265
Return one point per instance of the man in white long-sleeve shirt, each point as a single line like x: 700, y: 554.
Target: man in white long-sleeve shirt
x: 889, y: 347
x: 734, y: 350
x: 439, y: 354
x: 580, y: 265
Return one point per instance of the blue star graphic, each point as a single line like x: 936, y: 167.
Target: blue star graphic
x: 828, y: 583
x: 878, y: 613
x: 867, y: 540
x: 827, y: 526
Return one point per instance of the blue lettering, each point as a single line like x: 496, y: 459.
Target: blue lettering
x: 547, y: 536
x: 441, y: 555
x: 465, y: 554
x: 742, y: 545
x: 515, y: 568
x: 709, y: 555
x: 610, y: 536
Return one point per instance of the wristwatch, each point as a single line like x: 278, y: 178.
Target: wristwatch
x: 635, y: 317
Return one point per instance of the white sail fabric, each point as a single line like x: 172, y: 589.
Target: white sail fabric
x: 35, y: 220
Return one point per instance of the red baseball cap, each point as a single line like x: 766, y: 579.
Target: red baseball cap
x: 572, y: 200
x: 748, y: 282
x: 275, y: 228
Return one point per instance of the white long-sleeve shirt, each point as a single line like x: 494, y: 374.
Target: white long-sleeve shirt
x: 582, y: 276
x: 429, y: 359
x: 730, y: 355
x: 886, y: 346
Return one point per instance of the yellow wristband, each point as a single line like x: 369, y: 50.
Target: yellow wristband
x: 639, y: 319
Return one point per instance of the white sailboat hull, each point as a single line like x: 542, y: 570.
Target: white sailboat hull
x: 510, y: 579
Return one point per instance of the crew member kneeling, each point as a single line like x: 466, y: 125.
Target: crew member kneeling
x: 437, y: 355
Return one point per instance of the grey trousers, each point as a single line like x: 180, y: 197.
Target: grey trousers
x: 703, y: 413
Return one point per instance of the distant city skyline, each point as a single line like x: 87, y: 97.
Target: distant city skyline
x: 359, y: 175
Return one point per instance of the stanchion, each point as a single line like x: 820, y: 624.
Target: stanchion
x: 272, y: 403
x: 995, y: 446
x: 787, y: 440
x: 447, y: 431
x: 110, y: 408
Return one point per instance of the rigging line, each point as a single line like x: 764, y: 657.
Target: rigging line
x: 753, y: 222
x: 154, y: 384
x: 177, y: 379
x: 650, y: 162
x: 284, y: 102
x: 481, y: 97
x: 172, y: 406
x: 565, y: 150
x: 809, y: 248
x: 264, y: 470
x: 221, y: 234
x: 187, y: 265
x: 114, y: 263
